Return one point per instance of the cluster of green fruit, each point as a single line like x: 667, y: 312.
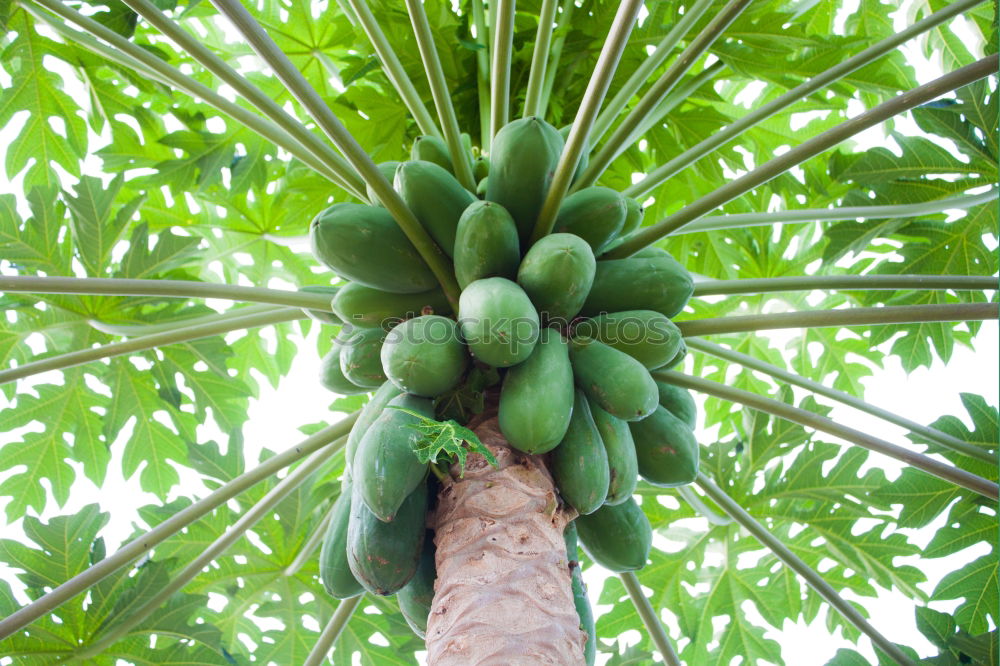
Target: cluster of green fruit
x: 572, y: 340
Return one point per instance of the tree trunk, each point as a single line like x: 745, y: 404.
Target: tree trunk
x: 503, y: 592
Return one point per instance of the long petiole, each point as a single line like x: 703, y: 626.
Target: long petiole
x: 950, y: 473
x: 625, y: 134
x: 145, y: 342
x: 503, y: 43
x: 892, y: 314
x: 593, y: 97
x: 331, y: 632
x: 482, y: 72
x: 394, y: 68
x: 555, y: 54
x: 932, y: 434
x: 270, y: 53
x: 441, y: 94
x: 741, y: 220
x: 618, y: 103
x: 539, y: 58
x: 804, y: 151
x: 169, y: 288
x: 132, y: 56
x: 259, y: 510
x: 177, y: 522
x: 845, y: 282
x: 653, y: 625
x: 812, y: 577
x: 662, y: 173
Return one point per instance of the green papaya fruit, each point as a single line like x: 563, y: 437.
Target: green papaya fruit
x: 579, y: 463
x: 331, y: 377
x: 645, y: 335
x: 360, y: 360
x: 364, y: 244
x: 557, y: 273
x: 536, y: 399
x: 425, y: 356
x: 334, y: 571
x: 384, y: 556
x: 373, y: 308
x: 633, y: 216
x: 595, y: 214
x: 386, y: 469
x: 388, y: 170
x: 482, y: 186
x: 678, y: 401
x: 435, y: 198
x: 486, y: 244
x: 655, y: 282
x: 617, y: 536
x: 613, y: 379
x: 432, y: 149
x: 371, y: 411
x: 622, y: 462
x: 498, y: 322
x: 322, y: 316
x: 666, y: 449
x: 580, y: 600
x: 678, y: 357
x: 416, y: 596
x: 523, y: 159
x: 480, y: 168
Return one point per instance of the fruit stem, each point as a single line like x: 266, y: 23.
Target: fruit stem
x: 503, y: 43
x: 539, y: 57
x: 890, y: 314
x: 142, y: 343
x: 715, y: 222
x: 932, y: 434
x: 621, y: 99
x: 649, y: 618
x: 593, y: 97
x: 442, y: 96
x: 664, y: 172
x: 810, y: 575
x: 262, y: 44
x: 261, y: 508
x: 950, y: 473
x: 393, y: 68
x: 166, y: 288
x: 804, y: 151
x: 625, y: 134
x: 331, y: 632
x: 132, y: 56
x: 186, y: 516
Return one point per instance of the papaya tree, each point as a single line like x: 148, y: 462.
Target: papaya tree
x: 453, y: 213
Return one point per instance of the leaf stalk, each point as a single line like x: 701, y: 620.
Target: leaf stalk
x: 331, y: 632
x: 186, y: 516
x: 593, y: 97
x: 653, y: 625
x: 950, y: 473
x: 810, y: 575
x: 804, y: 151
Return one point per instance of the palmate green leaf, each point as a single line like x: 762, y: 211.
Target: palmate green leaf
x: 61, y: 411
x: 39, y: 91
x: 96, y: 229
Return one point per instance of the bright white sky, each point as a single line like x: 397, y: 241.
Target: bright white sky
x: 922, y: 396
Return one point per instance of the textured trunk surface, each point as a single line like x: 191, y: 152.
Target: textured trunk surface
x: 503, y: 592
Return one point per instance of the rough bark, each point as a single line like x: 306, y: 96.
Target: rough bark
x: 503, y: 593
